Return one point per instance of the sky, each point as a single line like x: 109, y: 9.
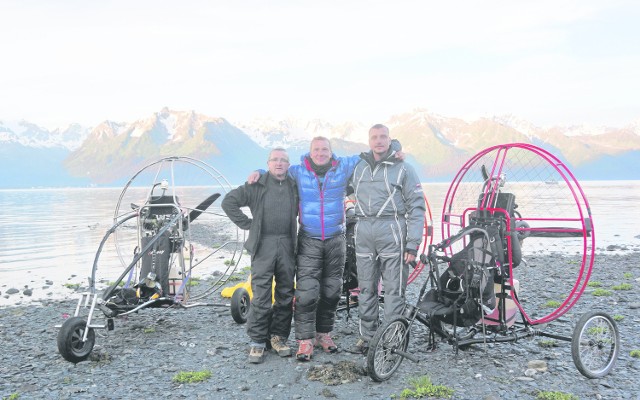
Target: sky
x: 550, y: 62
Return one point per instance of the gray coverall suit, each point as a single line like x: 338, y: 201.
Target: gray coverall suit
x: 390, y: 209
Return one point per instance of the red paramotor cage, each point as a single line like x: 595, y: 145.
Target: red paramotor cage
x: 552, y: 219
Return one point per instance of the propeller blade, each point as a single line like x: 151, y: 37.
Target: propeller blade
x: 485, y: 174
x: 202, y: 207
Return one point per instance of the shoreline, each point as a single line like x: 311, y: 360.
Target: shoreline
x: 37, y: 287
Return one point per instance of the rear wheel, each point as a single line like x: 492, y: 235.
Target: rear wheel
x: 240, y: 305
x: 70, y: 343
x: 595, y: 344
x: 382, y: 358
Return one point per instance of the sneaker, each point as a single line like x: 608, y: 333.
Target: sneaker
x: 361, y: 347
x: 279, y: 345
x: 305, y: 350
x: 256, y: 355
x: 324, y: 340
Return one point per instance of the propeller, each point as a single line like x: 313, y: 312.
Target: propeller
x: 202, y: 207
x: 485, y: 174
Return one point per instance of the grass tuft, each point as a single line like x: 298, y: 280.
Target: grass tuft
x: 597, y: 330
x: 601, y: 292
x: 72, y: 286
x: 422, y: 388
x: 552, y: 304
x: 622, y: 286
x: 192, y: 376
x: 555, y: 396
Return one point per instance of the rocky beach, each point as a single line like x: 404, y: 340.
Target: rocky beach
x: 147, y: 352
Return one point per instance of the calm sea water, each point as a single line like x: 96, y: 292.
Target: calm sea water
x: 53, y: 234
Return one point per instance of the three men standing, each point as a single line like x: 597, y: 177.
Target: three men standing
x: 390, y: 208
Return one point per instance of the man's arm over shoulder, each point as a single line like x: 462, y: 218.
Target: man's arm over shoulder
x: 233, y: 201
x: 349, y: 163
x: 416, y: 207
x: 255, y: 175
x: 396, y: 145
x: 294, y: 169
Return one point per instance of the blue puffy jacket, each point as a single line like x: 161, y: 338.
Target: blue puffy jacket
x: 322, y: 205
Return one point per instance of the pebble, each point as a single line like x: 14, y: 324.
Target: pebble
x: 537, y: 365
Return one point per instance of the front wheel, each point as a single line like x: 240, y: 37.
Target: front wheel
x: 382, y: 359
x: 240, y: 305
x: 595, y: 344
x: 70, y: 343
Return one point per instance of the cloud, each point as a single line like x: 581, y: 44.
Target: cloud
x: 86, y: 61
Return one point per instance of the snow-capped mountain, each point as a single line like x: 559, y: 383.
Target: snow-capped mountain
x: 32, y: 135
x: 296, y: 133
x: 113, y: 150
x: 438, y: 145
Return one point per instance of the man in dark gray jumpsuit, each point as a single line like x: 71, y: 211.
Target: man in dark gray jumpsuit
x: 273, y: 202
x: 390, y: 210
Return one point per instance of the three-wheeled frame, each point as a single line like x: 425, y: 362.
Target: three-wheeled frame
x: 477, y: 207
x: 173, y: 234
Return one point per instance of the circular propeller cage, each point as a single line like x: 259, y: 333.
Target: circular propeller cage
x: 545, y: 211
x: 179, y: 198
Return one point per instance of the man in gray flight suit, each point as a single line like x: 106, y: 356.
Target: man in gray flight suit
x: 390, y: 210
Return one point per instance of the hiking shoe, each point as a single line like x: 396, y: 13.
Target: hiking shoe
x: 324, y: 340
x: 256, y: 355
x: 361, y: 347
x: 279, y: 345
x: 305, y: 350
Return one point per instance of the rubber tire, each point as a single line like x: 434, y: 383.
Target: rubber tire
x: 382, y: 362
x: 595, y: 319
x: 70, y: 344
x: 240, y: 305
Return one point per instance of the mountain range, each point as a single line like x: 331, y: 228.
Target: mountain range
x: 109, y: 153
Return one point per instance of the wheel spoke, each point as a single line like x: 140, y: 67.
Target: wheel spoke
x: 597, y: 345
x: 392, y: 339
x: 599, y: 350
x: 76, y: 339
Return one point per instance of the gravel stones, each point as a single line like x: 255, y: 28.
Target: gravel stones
x: 140, y: 358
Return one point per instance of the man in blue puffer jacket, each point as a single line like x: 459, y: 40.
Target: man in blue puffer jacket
x: 322, y: 180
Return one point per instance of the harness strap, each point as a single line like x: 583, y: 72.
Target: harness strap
x: 391, y: 193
